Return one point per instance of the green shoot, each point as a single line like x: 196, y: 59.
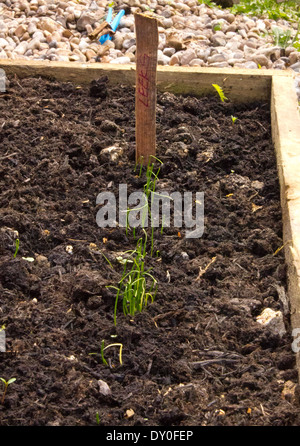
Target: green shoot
x: 233, y: 119
x: 137, y: 285
x: 117, y: 344
x: 17, y: 247
x: 6, y: 384
x: 217, y: 27
x: 97, y: 418
x: 107, y: 260
x: 220, y: 92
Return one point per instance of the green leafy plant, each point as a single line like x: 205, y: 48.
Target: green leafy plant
x: 6, y: 384
x: 297, y: 46
x: 233, y: 119
x: 217, y: 27
x: 287, y: 10
x: 220, y: 92
x: 283, y: 38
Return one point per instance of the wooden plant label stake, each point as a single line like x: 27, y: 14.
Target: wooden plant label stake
x: 145, y: 98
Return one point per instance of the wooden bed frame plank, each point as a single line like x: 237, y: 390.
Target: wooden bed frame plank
x: 240, y: 85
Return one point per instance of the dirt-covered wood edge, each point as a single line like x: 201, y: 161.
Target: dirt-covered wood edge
x: 273, y: 86
x: 286, y: 139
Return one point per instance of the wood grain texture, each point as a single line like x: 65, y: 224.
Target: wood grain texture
x: 286, y: 140
x: 238, y: 84
x: 146, y: 29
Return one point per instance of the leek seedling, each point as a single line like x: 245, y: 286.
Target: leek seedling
x: 6, y: 384
x: 220, y: 92
x: 149, y: 190
x: 134, y: 287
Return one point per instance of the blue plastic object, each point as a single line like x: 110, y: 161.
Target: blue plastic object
x: 113, y: 23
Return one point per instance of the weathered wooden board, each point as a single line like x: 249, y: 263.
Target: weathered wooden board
x: 240, y: 85
x: 146, y: 31
x: 286, y: 140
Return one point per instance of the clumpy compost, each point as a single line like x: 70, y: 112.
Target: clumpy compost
x: 196, y: 356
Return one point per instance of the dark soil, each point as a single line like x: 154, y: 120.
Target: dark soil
x: 196, y: 356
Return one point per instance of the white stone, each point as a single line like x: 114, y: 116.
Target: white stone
x: 34, y: 44
x: 272, y: 320
x: 3, y: 43
x: 187, y: 56
x: 21, y: 48
x: 3, y: 27
x: 85, y: 19
x: 113, y: 153
x: 296, y: 67
x: 197, y: 63
x: 294, y: 57
x: 39, y: 35
x: 104, y: 388
x: 169, y: 51
x: 219, y: 64
x: 121, y: 60
x: 216, y: 58
x: 48, y: 24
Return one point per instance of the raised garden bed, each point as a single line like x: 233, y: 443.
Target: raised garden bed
x: 196, y: 356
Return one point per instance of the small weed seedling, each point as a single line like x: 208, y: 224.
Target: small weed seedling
x: 217, y: 27
x: 97, y: 418
x: 220, y: 92
x: 6, y: 384
x: 117, y: 344
x: 233, y: 119
x: 17, y: 247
